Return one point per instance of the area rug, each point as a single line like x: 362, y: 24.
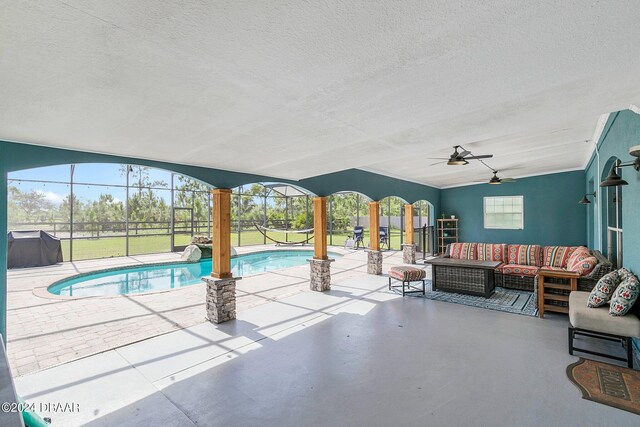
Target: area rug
x: 607, y: 384
x: 507, y: 300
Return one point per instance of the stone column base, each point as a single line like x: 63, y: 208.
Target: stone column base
x: 374, y: 262
x: 320, y: 274
x: 409, y: 254
x: 221, y: 299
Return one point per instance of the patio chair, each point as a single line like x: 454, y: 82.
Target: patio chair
x: 384, y: 237
x: 358, y: 236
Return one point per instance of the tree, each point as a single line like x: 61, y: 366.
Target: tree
x: 29, y: 206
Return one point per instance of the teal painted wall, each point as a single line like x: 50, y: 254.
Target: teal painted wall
x: 621, y: 132
x: 552, y: 215
x: 15, y: 156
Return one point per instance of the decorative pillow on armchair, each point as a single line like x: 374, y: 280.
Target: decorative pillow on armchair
x: 625, y: 296
x: 602, y: 292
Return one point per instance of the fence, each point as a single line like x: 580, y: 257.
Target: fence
x: 101, y: 218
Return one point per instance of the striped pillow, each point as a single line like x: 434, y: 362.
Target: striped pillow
x: 463, y: 250
x: 492, y: 252
x: 525, y: 255
x: 557, y: 256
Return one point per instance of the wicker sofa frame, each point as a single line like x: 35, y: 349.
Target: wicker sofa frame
x: 528, y: 283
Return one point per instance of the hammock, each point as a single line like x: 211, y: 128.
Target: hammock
x: 265, y: 230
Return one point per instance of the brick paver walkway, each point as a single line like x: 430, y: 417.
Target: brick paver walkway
x: 44, y: 332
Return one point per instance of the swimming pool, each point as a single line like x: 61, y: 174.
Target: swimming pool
x: 163, y: 277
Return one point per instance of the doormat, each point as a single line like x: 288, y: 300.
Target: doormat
x: 607, y: 384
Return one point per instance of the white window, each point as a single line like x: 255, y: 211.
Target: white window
x: 505, y: 212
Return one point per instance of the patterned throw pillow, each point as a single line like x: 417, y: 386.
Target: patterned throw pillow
x: 525, y: 255
x: 463, y: 250
x: 582, y: 262
x: 624, y: 274
x: 557, y: 256
x: 585, y: 265
x: 625, y: 296
x: 492, y: 252
x: 580, y: 252
x: 601, y: 293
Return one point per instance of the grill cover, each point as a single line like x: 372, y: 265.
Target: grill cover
x: 32, y: 249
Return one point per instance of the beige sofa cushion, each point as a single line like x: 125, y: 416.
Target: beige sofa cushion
x: 598, y: 319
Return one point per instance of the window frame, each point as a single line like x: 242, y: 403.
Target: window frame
x: 484, y: 212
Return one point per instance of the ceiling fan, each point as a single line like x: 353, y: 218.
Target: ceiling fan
x: 497, y: 180
x: 460, y: 157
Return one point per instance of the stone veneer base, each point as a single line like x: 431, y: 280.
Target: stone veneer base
x: 409, y: 253
x: 374, y: 262
x: 221, y: 299
x: 320, y: 274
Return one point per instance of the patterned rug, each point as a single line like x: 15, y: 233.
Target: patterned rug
x: 508, y: 300
x: 607, y: 384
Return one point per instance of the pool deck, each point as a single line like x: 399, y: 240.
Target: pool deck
x: 46, y: 330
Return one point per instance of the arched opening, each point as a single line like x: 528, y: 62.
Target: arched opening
x: 102, y: 210
x: 346, y: 210
x: 392, y: 221
x: 423, y: 223
x: 612, y: 215
x: 264, y: 213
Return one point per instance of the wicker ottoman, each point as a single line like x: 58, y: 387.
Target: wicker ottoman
x: 407, y: 275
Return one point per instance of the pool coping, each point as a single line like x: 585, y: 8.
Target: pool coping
x: 43, y: 291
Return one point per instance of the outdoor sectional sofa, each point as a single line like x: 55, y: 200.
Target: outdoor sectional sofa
x: 520, y: 263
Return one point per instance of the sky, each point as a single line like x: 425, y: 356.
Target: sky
x: 84, y: 173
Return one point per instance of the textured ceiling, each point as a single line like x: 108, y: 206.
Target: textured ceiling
x: 298, y: 89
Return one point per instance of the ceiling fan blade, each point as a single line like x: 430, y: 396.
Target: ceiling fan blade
x: 508, y: 180
x: 464, y: 153
x: 483, y: 156
x: 436, y: 163
x: 438, y: 158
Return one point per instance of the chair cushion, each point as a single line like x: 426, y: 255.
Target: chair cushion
x: 525, y: 255
x: 584, y: 265
x: 492, y: 252
x: 603, y: 290
x: 463, y: 250
x: 625, y: 296
x: 407, y: 274
x: 557, y: 256
x: 520, y: 270
x: 598, y: 319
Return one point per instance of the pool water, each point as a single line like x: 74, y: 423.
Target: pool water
x: 151, y: 278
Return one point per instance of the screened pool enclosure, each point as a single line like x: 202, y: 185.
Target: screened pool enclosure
x: 109, y: 210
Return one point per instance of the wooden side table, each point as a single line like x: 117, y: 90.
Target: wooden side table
x: 569, y: 276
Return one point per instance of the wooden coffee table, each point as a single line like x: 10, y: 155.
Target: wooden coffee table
x: 463, y: 276
x: 571, y: 279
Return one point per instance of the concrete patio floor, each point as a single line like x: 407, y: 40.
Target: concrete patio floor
x: 355, y: 355
x: 45, y: 330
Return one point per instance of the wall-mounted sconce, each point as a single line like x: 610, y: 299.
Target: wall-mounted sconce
x: 586, y: 201
x: 614, y: 179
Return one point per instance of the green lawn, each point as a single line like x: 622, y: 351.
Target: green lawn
x: 106, y: 247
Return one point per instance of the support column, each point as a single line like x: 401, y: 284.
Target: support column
x: 374, y: 260
x: 408, y: 248
x: 221, y: 286
x: 320, y: 264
